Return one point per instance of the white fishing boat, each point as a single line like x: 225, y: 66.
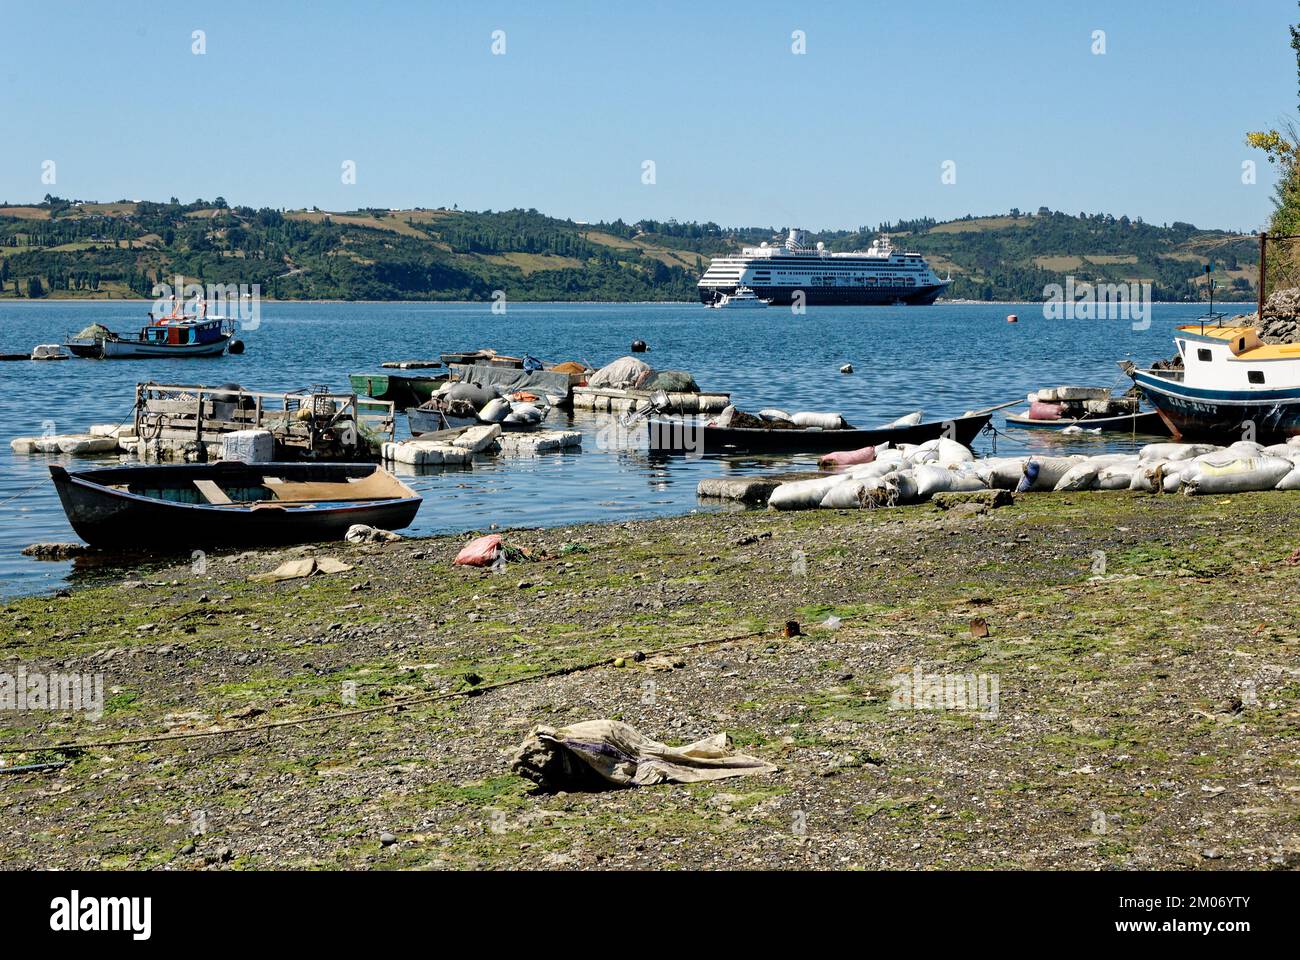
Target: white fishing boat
x: 1225, y: 381
x: 742, y: 299
x: 172, y: 336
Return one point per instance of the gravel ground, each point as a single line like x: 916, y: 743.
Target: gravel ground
x: 1144, y: 650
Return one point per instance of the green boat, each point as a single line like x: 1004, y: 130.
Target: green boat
x: 403, y: 390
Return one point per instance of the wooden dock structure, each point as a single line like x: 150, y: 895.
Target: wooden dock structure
x: 180, y: 421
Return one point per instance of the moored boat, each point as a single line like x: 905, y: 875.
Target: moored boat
x: 1087, y: 408
x: 404, y: 390
x: 679, y: 436
x: 743, y: 298
x: 1225, y: 384
x: 1143, y: 421
x: 229, y: 503
x: 165, y: 337
x: 435, y: 418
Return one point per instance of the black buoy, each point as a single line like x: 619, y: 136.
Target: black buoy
x: 639, y: 346
x: 236, y: 346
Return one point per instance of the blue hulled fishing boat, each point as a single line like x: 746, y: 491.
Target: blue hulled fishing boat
x: 1225, y: 383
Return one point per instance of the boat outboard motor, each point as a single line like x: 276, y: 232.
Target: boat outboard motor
x: 658, y: 403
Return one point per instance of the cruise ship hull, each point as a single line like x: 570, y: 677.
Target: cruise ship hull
x: 834, y: 296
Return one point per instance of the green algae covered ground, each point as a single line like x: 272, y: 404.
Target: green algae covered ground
x: 1145, y: 650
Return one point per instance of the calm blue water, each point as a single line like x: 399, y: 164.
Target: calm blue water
x: 943, y: 359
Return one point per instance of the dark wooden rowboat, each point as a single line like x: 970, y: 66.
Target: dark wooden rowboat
x: 676, y: 436
x: 230, y: 503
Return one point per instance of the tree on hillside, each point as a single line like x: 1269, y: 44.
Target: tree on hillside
x: 1283, y: 148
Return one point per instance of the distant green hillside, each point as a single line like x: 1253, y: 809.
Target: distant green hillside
x: 64, y: 249
x: 1013, y: 256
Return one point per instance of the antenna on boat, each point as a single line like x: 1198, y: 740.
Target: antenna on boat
x: 1211, y: 317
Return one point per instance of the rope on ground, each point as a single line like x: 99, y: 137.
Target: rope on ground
x: 363, y: 711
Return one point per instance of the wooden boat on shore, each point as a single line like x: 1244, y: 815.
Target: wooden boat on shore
x: 230, y: 503
x: 679, y: 436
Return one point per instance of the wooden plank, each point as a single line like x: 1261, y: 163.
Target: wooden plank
x: 187, y: 436
x: 211, y: 492
x: 183, y: 408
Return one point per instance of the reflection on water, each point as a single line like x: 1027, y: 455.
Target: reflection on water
x: 943, y: 360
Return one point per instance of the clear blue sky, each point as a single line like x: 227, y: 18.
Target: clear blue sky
x: 742, y: 131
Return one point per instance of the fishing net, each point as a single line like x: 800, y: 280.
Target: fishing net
x: 672, y: 381
x: 96, y: 331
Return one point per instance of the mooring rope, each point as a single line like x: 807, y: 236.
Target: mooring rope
x: 41, y: 483
x: 18, y: 496
x: 1006, y: 436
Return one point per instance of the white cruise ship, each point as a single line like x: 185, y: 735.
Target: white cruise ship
x: 775, y: 272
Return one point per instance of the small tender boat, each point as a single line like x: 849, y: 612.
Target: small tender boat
x: 743, y: 298
x: 404, y: 390
x: 1089, y: 408
x: 432, y: 419
x: 1143, y: 421
x: 676, y: 436
x: 230, y: 503
x: 165, y: 337
x: 486, y: 357
x: 1225, y: 384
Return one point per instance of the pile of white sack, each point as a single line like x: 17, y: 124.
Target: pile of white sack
x: 492, y: 404
x: 903, y: 474
x: 911, y: 474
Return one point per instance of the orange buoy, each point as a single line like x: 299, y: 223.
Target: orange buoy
x: 1012, y: 318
